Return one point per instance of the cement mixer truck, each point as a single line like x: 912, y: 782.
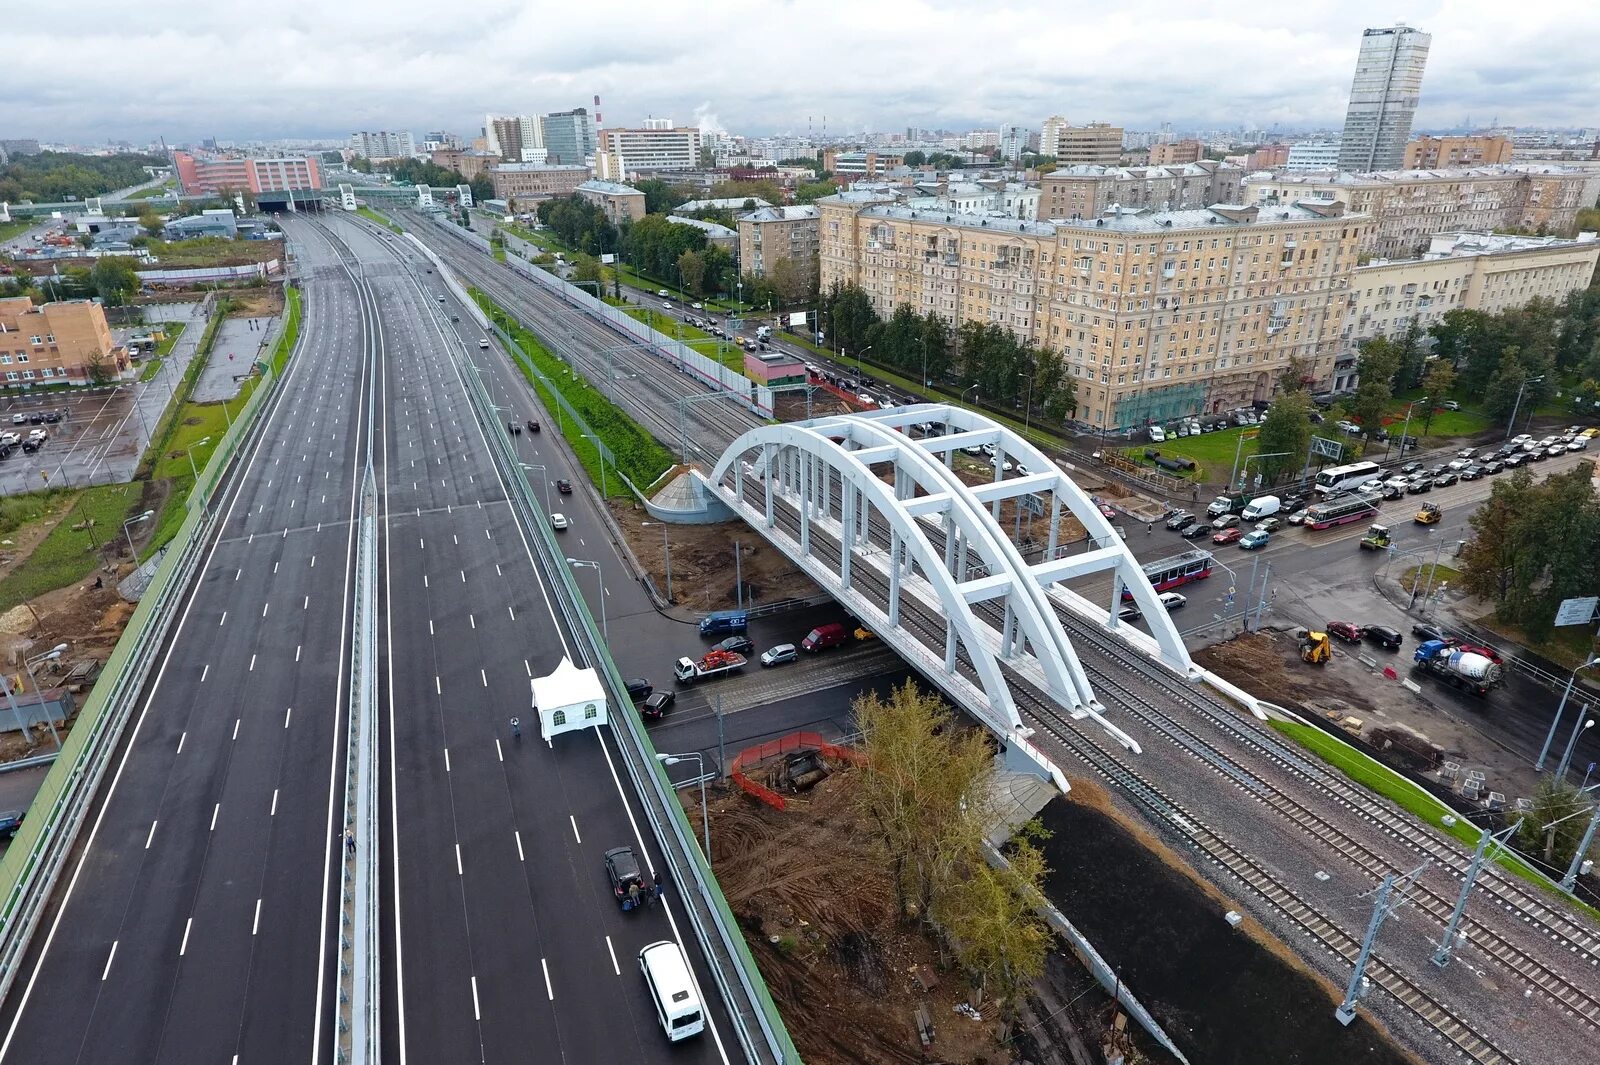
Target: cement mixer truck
x: 1459, y: 667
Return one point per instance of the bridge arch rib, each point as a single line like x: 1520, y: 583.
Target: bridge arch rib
x: 885, y: 504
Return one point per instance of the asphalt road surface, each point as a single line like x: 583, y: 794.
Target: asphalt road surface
x: 194, y: 925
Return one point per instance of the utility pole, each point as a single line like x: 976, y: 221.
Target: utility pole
x: 1512, y: 423
x: 1569, y: 881
x: 1385, y: 904
x: 738, y: 574
x: 1451, y: 939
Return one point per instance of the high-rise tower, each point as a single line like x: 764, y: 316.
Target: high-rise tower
x: 1383, y: 97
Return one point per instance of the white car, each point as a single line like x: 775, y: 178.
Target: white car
x: 1172, y: 600
x: 483, y: 344
x: 1460, y: 464
x: 662, y: 293
x: 558, y: 522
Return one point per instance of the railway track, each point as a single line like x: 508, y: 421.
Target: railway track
x: 1222, y: 853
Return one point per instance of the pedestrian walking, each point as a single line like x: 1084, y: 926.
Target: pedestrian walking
x: 350, y: 841
x: 1149, y: 527
x: 661, y: 882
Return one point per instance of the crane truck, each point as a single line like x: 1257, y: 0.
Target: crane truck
x: 1459, y: 667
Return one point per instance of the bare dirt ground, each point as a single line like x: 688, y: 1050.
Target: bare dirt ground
x: 256, y: 302
x: 1226, y: 996
x: 702, y: 561
x: 817, y: 905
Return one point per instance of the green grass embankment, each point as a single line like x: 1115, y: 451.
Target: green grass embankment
x: 637, y: 454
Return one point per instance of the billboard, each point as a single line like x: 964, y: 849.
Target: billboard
x: 798, y: 317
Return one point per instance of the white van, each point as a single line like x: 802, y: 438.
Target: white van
x: 1262, y: 507
x: 672, y: 990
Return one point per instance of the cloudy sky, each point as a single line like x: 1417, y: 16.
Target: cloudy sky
x: 224, y: 68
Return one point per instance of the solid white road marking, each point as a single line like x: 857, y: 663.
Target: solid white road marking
x: 184, y: 946
x: 574, y: 820
x: 547, y: 988
x: 458, y: 860
x: 236, y: 727
x: 447, y: 759
x: 286, y: 712
x: 274, y: 811
x: 612, y: 951
x: 255, y: 926
x: 224, y: 619
x: 520, y: 856
x: 215, y: 810
x: 152, y: 834
x: 204, y: 671
x: 181, y: 738
x: 485, y: 677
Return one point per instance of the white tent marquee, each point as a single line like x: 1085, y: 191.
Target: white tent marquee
x: 568, y: 699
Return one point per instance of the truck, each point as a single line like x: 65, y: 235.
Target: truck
x: 1225, y: 505
x: 1459, y: 667
x: 710, y: 664
x: 724, y: 623
x: 1377, y: 539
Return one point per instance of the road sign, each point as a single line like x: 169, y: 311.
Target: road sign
x: 1577, y: 611
x: 1329, y: 449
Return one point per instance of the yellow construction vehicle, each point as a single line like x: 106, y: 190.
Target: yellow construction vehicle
x: 1315, y: 648
x: 1429, y: 514
x: 1377, y: 538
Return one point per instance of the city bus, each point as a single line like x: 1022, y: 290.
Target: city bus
x: 1340, y: 478
x: 1339, y: 512
x: 1167, y: 573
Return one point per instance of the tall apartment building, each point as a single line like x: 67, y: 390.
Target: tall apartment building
x: 530, y: 182
x: 1409, y: 208
x: 1267, y: 157
x: 773, y: 233
x: 515, y: 138
x: 383, y: 144
x: 199, y: 175
x: 1487, y: 272
x: 1383, y: 98
x: 1096, y: 143
x: 1449, y: 153
x: 56, y: 342
x: 1013, y: 142
x: 615, y: 200
x: 569, y: 137
x: 1184, y: 151
x: 652, y: 148
x: 1090, y: 191
x: 1050, y: 134
x: 860, y: 166
x: 1157, y: 313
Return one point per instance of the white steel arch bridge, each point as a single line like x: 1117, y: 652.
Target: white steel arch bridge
x: 871, y: 507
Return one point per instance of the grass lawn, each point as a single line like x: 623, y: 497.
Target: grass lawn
x: 1379, y: 778
x: 632, y: 278
x: 214, y: 251
x: 151, y: 192
x: 19, y: 510
x: 170, y: 332
x: 730, y: 355
x: 538, y: 238
x: 151, y: 368
x: 68, y: 555
x: 15, y: 226
x: 1420, y: 575
x: 1212, y: 452
x: 367, y: 212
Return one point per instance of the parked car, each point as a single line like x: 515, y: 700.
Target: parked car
x: 1382, y: 635
x: 656, y: 704
x: 627, y: 879
x: 1514, y: 462
x: 1129, y: 612
x: 738, y: 644
x: 779, y: 654
x: 639, y: 688
x: 1254, y: 539
x: 1348, y: 631
x: 564, y: 487
x: 1450, y: 404
x: 1425, y: 632
x: 1106, y: 511
x: 1228, y: 536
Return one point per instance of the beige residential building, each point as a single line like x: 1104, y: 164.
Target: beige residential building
x: 1091, y: 191
x: 1410, y: 207
x: 57, y: 343
x: 1094, y: 143
x: 1185, y: 151
x: 530, y: 182
x: 860, y: 165
x: 773, y: 233
x: 1487, y: 272
x: 1158, y: 313
x: 653, y: 148
x: 616, y: 201
x: 1450, y: 153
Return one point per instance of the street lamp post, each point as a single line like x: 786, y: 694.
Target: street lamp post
x: 859, y: 372
x: 580, y: 563
x: 1027, y: 406
x: 1579, y: 727
x: 973, y: 389
x: 666, y: 550
x: 546, y: 477
x: 146, y: 516
x: 28, y: 664
x: 1555, y: 722
x: 1512, y: 423
x: 705, y: 811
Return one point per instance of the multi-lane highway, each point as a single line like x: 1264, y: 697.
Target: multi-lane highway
x: 197, y: 922
x: 194, y: 925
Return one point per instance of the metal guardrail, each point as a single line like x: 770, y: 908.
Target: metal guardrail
x: 760, y: 1028
x: 38, y: 854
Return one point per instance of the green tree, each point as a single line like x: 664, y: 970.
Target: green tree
x: 1409, y: 347
x: 1437, y: 382
x: 114, y: 279
x: 586, y: 269
x: 1505, y: 385
x: 150, y: 221
x: 846, y: 316
x: 1285, y: 431
x: 915, y: 157
x: 812, y: 191
x: 1377, y: 363
x: 692, y: 269
x: 1490, y: 557
x: 1554, y: 804
x: 660, y: 197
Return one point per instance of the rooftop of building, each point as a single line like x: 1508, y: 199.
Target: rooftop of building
x: 1130, y: 173
x: 1392, y: 177
x: 609, y: 188
x: 1116, y: 220
x: 712, y: 229
x: 781, y: 214
x: 1464, y: 244
x: 523, y: 168
x: 732, y: 202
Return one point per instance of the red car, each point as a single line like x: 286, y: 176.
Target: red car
x: 1107, y: 511
x: 1228, y: 536
x: 1348, y: 631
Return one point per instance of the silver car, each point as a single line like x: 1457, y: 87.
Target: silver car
x: 778, y: 655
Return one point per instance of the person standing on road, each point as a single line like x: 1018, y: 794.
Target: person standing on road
x: 661, y: 882
x: 1149, y: 527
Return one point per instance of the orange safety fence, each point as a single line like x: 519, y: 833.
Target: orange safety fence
x: 794, y: 741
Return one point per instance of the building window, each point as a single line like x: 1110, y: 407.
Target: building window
x: 11, y: 375
x: 27, y: 375
x: 22, y: 358
x: 35, y: 340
